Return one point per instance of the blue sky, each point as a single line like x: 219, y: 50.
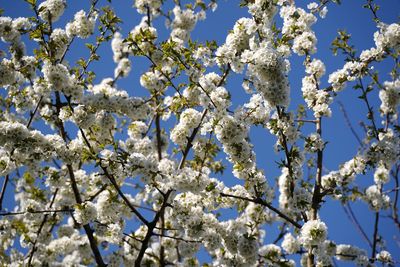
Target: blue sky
x: 342, y: 144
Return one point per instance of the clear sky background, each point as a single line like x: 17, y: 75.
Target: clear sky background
x: 342, y: 144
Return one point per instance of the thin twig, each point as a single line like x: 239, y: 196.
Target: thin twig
x: 33, y: 212
x: 395, y: 214
x: 191, y: 139
x: 281, y: 233
x: 284, y: 144
x: 152, y: 225
x: 266, y: 204
x: 34, y: 112
x: 346, y: 117
x: 375, y: 237
x: 178, y: 238
x: 347, y: 209
x: 3, y: 191
x: 88, y: 230
x: 33, y: 249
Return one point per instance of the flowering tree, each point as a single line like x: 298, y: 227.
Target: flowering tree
x: 102, y: 176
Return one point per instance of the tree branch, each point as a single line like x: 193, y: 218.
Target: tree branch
x: 3, y: 190
x: 269, y: 206
x: 78, y: 199
x: 33, y: 249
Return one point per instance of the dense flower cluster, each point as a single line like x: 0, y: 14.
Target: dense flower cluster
x: 51, y: 10
x: 82, y: 26
x: 58, y: 78
x: 317, y: 100
x: 313, y: 233
x: 183, y: 23
x: 390, y: 97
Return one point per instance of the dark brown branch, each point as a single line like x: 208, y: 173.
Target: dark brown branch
x: 92, y: 9
x: 95, y: 195
x: 33, y: 212
x: 346, y: 117
x: 153, y: 224
x: 190, y: 140
x: 78, y: 199
x: 349, y: 212
x: 33, y: 249
x: 178, y: 238
x: 317, y: 196
x: 266, y: 204
x: 287, y: 152
x: 33, y: 113
x: 395, y: 214
x: 86, y: 227
x: 370, y: 110
x: 110, y: 177
x: 158, y: 136
x: 150, y: 229
x: 224, y: 76
x: 3, y: 190
x: 375, y: 237
x: 281, y: 233
x: 122, y: 195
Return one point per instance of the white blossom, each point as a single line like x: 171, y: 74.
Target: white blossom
x: 290, y: 244
x: 51, y: 10
x: 85, y: 212
x: 313, y: 232
x: 82, y: 25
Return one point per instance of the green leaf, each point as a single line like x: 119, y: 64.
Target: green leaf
x: 211, y: 187
x: 31, y: 2
x: 35, y: 34
x: 90, y: 46
x: 81, y: 62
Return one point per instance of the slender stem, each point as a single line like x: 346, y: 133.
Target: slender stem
x: 375, y: 238
x: 281, y: 233
x: 153, y: 224
x: 395, y: 214
x: 317, y: 186
x: 284, y: 144
x: 266, y: 204
x: 158, y: 136
x: 159, y: 154
x: 33, y: 249
x: 190, y: 140
x: 3, y: 190
x: 178, y: 238
x: 77, y: 195
x: 346, y: 117
x: 303, y: 120
x: 34, y: 112
x: 370, y: 110
x: 122, y: 195
x: 92, y: 9
x: 162, y: 249
x: 372, y: 8
x: 150, y: 229
x: 33, y: 212
x: 317, y: 196
x: 350, y: 214
x: 86, y: 227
